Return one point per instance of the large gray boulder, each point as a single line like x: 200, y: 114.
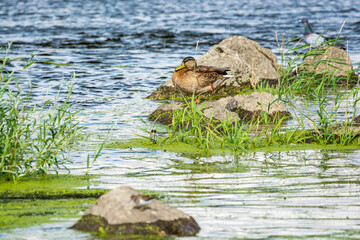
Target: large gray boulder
x: 328, y: 60
x: 121, y: 211
x: 248, y: 61
x: 244, y: 108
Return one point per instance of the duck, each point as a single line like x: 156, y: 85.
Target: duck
x: 314, y: 39
x: 190, y: 78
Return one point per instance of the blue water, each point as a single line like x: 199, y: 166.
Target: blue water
x: 121, y: 51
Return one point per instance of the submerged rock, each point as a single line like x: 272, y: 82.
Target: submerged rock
x: 126, y: 211
x: 249, y: 63
x: 243, y: 108
x: 328, y: 60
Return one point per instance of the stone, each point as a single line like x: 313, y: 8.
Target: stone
x: 222, y: 110
x: 356, y: 119
x: 164, y: 113
x: 248, y: 61
x: 345, y: 129
x: 121, y: 211
x: 246, y: 108
x: 243, y: 108
x: 328, y: 60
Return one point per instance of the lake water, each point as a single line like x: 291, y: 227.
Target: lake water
x: 121, y: 51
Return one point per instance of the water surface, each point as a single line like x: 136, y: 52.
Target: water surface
x: 122, y: 51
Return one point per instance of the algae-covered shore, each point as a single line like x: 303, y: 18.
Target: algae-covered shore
x: 43, y: 199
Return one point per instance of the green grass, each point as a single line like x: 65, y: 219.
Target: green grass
x: 325, y: 93
x: 33, y: 138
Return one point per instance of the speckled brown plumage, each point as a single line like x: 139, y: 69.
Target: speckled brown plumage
x: 190, y: 78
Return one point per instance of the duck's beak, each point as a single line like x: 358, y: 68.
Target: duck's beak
x: 180, y: 67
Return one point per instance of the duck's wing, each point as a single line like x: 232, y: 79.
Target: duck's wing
x: 206, y: 78
x: 209, y: 69
x: 314, y: 39
x: 317, y: 39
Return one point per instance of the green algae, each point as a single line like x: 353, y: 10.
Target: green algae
x: 233, y: 165
x: 210, y: 167
x: 56, y: 64
x: 178, y: 147
x: 193, y: 151
x: 26, y: 212
x: 43, y: 199
x: 123, y: 66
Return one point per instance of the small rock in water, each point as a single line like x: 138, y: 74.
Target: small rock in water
x: 126, y: 211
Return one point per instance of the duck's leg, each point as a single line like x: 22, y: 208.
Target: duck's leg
x: 197, y: 99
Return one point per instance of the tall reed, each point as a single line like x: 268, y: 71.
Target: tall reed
x: 33, y: 138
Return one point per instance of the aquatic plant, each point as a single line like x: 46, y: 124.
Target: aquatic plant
x: 323, y: 93
x: 33, y: 138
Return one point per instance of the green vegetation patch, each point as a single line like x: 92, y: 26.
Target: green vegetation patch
x: 56, y: 64
x: 194, y: 151
x: 178, y: 147
x: 123, y: 66
x: 210, y: 167
x: 37, y: 200
x: 33, y: 137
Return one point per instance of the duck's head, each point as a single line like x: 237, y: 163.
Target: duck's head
x: 308, y: 28
x: 188, y: 62
x: 304, y: 20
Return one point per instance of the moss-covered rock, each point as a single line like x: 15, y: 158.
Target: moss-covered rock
x: 164, y: 113
x: 126, y: 211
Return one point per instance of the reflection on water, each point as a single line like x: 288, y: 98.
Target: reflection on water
x: 312, y: 193
x: 122, y: 51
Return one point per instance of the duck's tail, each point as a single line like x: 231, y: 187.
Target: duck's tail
x: 229, y: 76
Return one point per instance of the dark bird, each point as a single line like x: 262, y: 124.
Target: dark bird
x: 314, y: 39
x: 191, y: 78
